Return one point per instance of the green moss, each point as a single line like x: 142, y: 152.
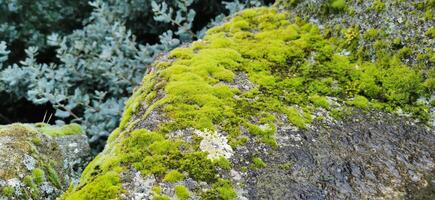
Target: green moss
x: 267, y: 134
x: 397, y: 41
x: 338, y: 4
x: 430, y: 32
x: 295, y: 117
x: 351, y: 34
x: 360, y: 102
x: 220, y: 190
x: 371, y: 34
x: 428, y: 15
x: 70, y: 129
x: 199, y: 167
x: 28, y: 181
x: 222, y: 163
x: 157, y: 190
x: 32, y: 188
x: 378, y: 5
x: 173, y: 176
x: 320, y: 101
x: 258, y: 163
x: 52, y: 176
x: 184, y: 53
x: 36, y: 140
x: 286, y: 166
x: 38, y: 176
x: 182, y: 192
x: 8, y: 191
x: 105, y: 186
x: 161, y: 197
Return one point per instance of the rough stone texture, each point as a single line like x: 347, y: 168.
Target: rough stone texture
x: 24, y: 149
x: 366, y: 156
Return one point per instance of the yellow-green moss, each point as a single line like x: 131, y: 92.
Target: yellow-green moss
x: 338, y: 4
x: 52, y: 175
x: 70, y: 129
x: 378, y: 5
x: 258, y: 163
x: 294, y: 68
x: 105, y: 186
x: 360, y: 102
x: 161, y: 197
x: 8, y: 191
x: 182, y: 192
x: 319, y: 101
x: 431, y: 32
x: 173, y: 176
x: 223, y: 163
x: 222, y: 189
x: 38, y: 176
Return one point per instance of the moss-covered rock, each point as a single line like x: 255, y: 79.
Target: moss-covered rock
x: 271, y: 105
x: 39, y: 161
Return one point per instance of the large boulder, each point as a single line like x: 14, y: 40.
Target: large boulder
x: 39, y: 161
x: 274, y: 105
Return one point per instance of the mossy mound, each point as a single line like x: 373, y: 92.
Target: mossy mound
x: 38, y: 161
x: 201, y: 105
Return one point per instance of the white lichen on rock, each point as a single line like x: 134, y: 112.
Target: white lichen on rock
x: 215, y: 144
x: 29, y: 162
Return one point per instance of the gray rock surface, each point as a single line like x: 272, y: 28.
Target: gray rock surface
x: 365, y: 156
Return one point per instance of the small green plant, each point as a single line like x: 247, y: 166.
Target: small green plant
x: 181, y: 192
x: 173, y: 176
x: 222, y: 163
x: 378, y: 5
x: 360, y: 102
x: 338, y: 4
x: 258, y: 163
x: 38, y: 176
x: 52, y: 176
x: 8, y: 191
x: 220, y: 190
x: 430, y: 32
x: 161, y: 197
x: 320, y: 101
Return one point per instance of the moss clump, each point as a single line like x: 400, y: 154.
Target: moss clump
x: 319, y: 101
x: 360, y: 102
x: 105, y: 186
x: 182, y: 192
x: 220, y: 190
x: 38, y: 176
x: 199, y: 167
x: 338, y: 4
x: 378, y: 5
x: 430, y: 32
x: 70, y: 129
x: 32, y: 188
x: 52, y: 175
x: 161, y: 197
x: 258, y: 163
x: 8, y: 191
x: 173, y: 176
x: 222, y: 163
